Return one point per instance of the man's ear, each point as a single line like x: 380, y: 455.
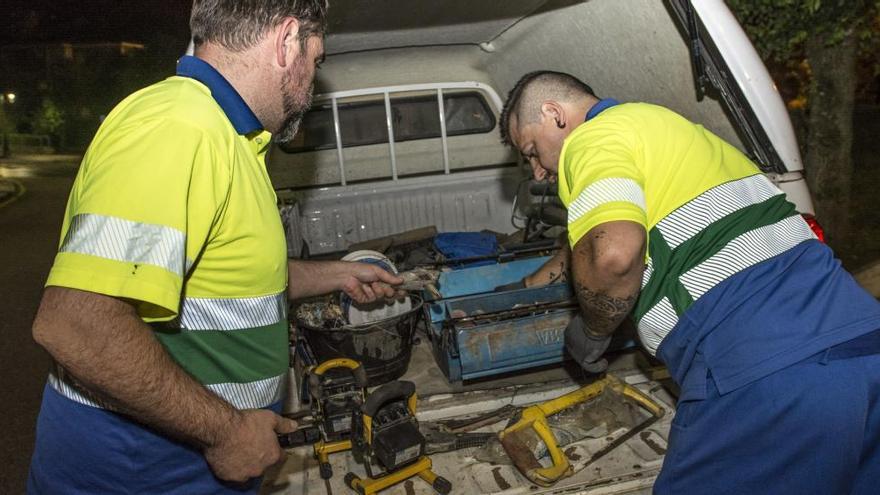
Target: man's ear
x: 286, y: 38
x: 553, y: 111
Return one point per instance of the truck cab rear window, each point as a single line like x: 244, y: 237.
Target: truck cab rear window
x: 415, y: 117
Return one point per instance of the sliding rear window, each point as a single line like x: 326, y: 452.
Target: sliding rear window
x: 412, y: 118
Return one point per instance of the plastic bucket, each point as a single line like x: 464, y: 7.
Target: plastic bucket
x: 383, y: 347
x: 357, y: 314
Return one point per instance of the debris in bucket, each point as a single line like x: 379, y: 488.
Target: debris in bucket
x: 382, y: 347
x: 324, y: 315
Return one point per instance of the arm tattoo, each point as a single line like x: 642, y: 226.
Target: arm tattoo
x: 562, y: 276
x: 603, y: 313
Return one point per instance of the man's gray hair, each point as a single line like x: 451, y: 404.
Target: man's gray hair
x: 239, y: 24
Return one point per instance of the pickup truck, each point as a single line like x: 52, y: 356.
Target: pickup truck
x: 403, y: 134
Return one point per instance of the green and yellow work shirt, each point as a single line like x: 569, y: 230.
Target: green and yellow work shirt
x: 708, y: 211
x: 173, y: 210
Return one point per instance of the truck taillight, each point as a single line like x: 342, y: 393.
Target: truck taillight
x: 814, y: 224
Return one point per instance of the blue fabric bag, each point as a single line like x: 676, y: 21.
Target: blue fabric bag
x: 460, y: 245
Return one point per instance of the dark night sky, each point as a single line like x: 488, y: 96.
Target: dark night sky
x: 49, y: 21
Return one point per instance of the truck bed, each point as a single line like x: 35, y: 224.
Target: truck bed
x: 632, y: 467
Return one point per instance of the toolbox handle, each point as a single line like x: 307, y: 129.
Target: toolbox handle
x: 388, y: 392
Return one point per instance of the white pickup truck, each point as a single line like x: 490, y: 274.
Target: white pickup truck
x: 403, y: 134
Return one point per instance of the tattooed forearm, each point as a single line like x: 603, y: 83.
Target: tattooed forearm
x: 603, y: 313
x: 607, y: 266
x: 563, y: 272
x: 562, y: 276
x: 554, y: 270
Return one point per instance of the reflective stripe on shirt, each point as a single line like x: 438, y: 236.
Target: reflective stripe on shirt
x: 606, y: 191
x: 746, y: 250
x: 127, y: 241
x: 656, y: 324
x: 64, y: 386
x: 742, y: 252
x: 243, y: 326
x: 713, y: 205
x: 649, y: 271
x: 252, y: 395
x: 232, y: 313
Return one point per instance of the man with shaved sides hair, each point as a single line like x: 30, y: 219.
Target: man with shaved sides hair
x: 166, y: 308
x: 774, y: 346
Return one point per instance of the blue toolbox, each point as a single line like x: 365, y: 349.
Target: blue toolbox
x: 477, y: 333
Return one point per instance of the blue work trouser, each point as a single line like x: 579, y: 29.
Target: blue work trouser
x: 84, y: 450
x: 812, y: 428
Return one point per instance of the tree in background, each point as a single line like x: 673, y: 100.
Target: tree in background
x: 822, y: 41
x: 6, y: 127
x: 89, y: 84
x: 49, y: 120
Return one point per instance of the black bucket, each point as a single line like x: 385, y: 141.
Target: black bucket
x: 383, y: 347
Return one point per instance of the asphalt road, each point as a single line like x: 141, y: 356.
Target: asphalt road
x: 29, y: 229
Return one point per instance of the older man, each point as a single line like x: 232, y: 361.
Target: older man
x: 165, y: 309
x: 775, y: 347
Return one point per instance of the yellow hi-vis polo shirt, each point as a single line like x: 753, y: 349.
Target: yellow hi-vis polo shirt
x: 708, y: 211
x: 173, y: 209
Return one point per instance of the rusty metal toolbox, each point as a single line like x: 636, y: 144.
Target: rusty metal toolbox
x: 476, y: 333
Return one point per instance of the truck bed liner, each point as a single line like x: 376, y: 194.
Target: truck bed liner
x: 630, y: 468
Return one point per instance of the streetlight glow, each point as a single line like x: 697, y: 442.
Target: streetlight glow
x: 10, y: 97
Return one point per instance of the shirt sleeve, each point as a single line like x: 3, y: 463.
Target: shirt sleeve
x: 141, y: 210
x: 602, y: 180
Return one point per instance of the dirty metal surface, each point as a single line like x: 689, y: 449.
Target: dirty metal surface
x: 509, y: 344
x: 482, y: 279
x: 631, y: 467
x: 490, y: 333
x: 332, y: 218
x: 508, y: 302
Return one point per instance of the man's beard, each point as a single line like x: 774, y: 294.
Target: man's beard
x: 295, y: 106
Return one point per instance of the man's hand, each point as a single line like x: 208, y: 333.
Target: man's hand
x: 366, y: 283
x: 585, y: 347
x: 363, y: 282
x: 112, y: 353
x: 249, y: 446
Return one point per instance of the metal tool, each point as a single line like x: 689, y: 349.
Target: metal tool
x: 439, y: 439
x: 534, y: 418
x: 503, y: 257
x: 387, y: 435
x: 457, y: 434
x: 420, y: 279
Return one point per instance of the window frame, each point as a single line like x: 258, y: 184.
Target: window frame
x: 490, y: 125
x: 488, y: 94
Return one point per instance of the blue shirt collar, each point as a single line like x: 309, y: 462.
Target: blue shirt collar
x: 603, y: 104
x: 235, y: 108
